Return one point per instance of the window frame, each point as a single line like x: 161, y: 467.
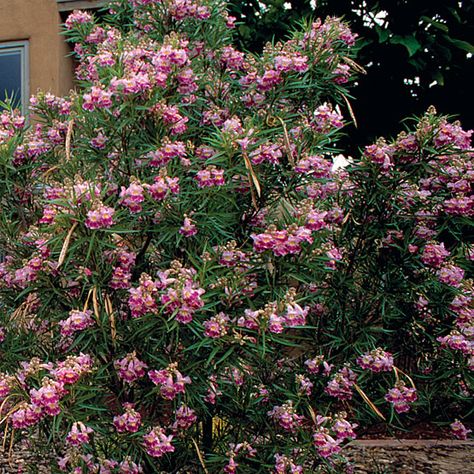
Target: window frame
x: 69, y: 5
x: 22, y: 47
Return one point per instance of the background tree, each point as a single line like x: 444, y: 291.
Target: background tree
x: 416, y: 53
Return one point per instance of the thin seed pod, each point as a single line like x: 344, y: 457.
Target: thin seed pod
x: 287, y: 142
x: 396, y: 369
x: 351, y: 111
x: 252, y: 178
x: 86, y: 304
x: 369, y: 402
x: 110, y: 312
x: 67, y: 241
x: 95, y: 303
x: 68, y: 139
x: 200, y: 456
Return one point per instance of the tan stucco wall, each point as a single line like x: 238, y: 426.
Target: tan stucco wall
x: 38, y: 21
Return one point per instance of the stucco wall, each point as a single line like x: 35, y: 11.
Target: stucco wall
x: 38, y: 21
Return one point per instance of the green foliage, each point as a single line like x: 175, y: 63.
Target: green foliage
x: 399, y: 41
x: 191, y: 280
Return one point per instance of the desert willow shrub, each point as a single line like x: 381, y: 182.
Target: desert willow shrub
x: 190, y: 284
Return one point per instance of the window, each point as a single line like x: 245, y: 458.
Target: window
x: 14, y: 73
x: 68, y: 5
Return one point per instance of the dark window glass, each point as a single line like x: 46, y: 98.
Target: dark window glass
x: 10, y: 76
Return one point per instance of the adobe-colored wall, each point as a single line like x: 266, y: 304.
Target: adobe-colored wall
x: 38, y: 21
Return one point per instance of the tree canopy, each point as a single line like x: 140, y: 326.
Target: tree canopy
x: 416, y: 53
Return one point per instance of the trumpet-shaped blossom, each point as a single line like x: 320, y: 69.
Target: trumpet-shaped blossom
x: 130, y: 368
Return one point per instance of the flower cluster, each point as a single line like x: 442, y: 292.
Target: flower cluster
x: 376, y: 361
x: 77, y: 321
x: 210, y: 176
x: 185, y: 418
x: 340, y: 386
x: 182, y: 295
x: 100, y: 218
x: 170, y: 381
x: 209, y: 282
x: 217, y: 326
x: 122, y: 275
x: 401, y: 397
x: 130, y: 368
x: 286, y: 416
x: 79, y: 434
x: 459, y: 431
x: 157, y: 443
x: 282, y: 242
x: 130, y: 421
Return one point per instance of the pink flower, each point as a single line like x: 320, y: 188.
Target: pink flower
x: 79, y: 434
x: 49, y: 213
x: 216, y: 326
x: 268, y: 80
x: 172, y: 117
x: 460, y: 206
x: 377, y: 361
x: 132, y: 197
x: 291, y: 62
x: 231, y: 58
x: 72, y: 369
x: 380, y: 154
x: 342, y: 73
x: 130, y: 368
x: 282, y: 242
x: 77, y: 17
x: 188, y: 229
x: 162, y: 187
x: 170, y: 380
x: 97, y: 98
x: 157, y: 443
x: 343, y: 428
x: 130, y: 421
x: 210, y: 176
x: 326, y: 119
x: 457, y: 342
x: 267, y: 152
x: 27, y: 416
x: 326, y: 444
x: 286, y: 417
x: 434, y: 254
x: 450, y: 275
x: 459, y: 431
x: 285, y: 465
x: 127, y: 466
x: 212, y: 392
x: 295, y: 315
x: 6, y: 383
x: 305, y: 386
x: 142, y: 300
x: 77, y: 321
x: 452, y: 134
x: 401, y: 397
x: 316, y: 220
x: 315, y: 166
x: 233, y: 126
x: 120, y: 279
x: 166, y: 153
x: 185, y: 418
x: 48, y: 396
x: 313, y: 365
x: 100, y: 218
x: 340, y: 386
x: 99, y: 141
